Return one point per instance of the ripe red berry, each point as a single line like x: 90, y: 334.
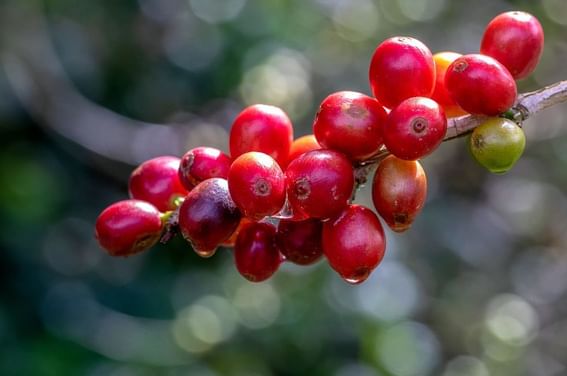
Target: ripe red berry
x: 399, y: 190
x: 351, y: 123
x: 481, y: 85
x: 157, y: 182
x: 440, y: 94
x: 303, y: 145
x: 257, y: 185
x: 415, y: 128
x: 401, y: 67
x: 354, y: 243
x: 208, y: 216
x: 262, y: 128
x: 128, y: 227
x: 203, y: 163
x: 319, y: 183
x: 300, y: 241
x: 515, y: 39
x: 256, y: 253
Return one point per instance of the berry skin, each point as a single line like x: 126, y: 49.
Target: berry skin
x: 203, y: 163
x: 319, y: 184
x: 208, y: 216
x: 354, y: 243
x: 257, y: 185
x: 415, y: 128
x: 157, y: 182
x: 401, y: 68
x: 128, y: 227
x: 440, y: 94
x: 262, y: 128
x: 256, y: 253
x: 303, y: 145
x: 481, y: 85
x: 351, y: 123
x: 515, y: 39
x: 300, y: 241
x: 497, y: 144
x: 399, y: 190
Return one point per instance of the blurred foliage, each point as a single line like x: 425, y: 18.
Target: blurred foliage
x: 477, y: 287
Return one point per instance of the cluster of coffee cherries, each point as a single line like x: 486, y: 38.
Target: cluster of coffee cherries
x: 278, y: 199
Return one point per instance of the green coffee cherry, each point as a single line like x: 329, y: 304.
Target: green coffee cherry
x: 497, y: 144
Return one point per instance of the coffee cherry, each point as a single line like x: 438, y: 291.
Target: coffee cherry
x: 257, y: 185
x: 440, y: 93
x: 208, y: 216
x: 401, y: 68
x: 300, y: 241
x: 351, y: 123
x: 515, y: 39
x: 319, y: 184
x: 497, y: 144
x: 415, y: 128
x: 303, y: 145
x: 399, y: 190
x: 203, y: 163
x: 481, y: 85
x: 256, y: 253
x: 128, y: 227
x: 262, y: 128
x: 354, y: 243
x: 157, y: 182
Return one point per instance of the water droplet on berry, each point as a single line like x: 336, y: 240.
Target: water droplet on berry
x: 205, y: 253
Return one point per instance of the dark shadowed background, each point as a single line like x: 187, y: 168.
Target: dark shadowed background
x: 88, y: 89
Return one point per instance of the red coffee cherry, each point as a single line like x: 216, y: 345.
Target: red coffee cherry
x: 256, y: 253
x: 157, y: 182
x: 481, y: 85
x: 319, y: 184
x: 515, y: 39
x: 303, y: 145
x: 208, y: 216
x: 262, y: 128
x: 300, y: 241
x: 354, y: 243
x: 351, y: 123
x: 257, y: 185
x: 399, y: 190
x: 203, y: 163
x: 415, y: 128
x: 440, y: 94
x: 401, y: 68
x: 128, y: 227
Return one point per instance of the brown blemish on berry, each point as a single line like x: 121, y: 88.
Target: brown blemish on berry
x: 354, y: 111
x: 262, y: 187
x: 478, y: 142
x: 302, y: 188
x: 401, y: 222
x: 461, y: 66
x: 419, y: 124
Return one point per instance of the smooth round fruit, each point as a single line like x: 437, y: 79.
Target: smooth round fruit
x: 157, y: 182
x: 257, y: 185
x: 203, y: 163
x: 497, y: 144
x: 399, y: 190
x: 256, y: 253
x: 302, y: 145
x: 351, y: 123
x: 262, y: 128
x: 481, y: 85
x: 300, y: 241
x: 128, y: 227
x: 440, y: 94
x: 208, y: 216
x: 401, y: 68
x: 515, y: 39
x: 319, y: 184
x: 415, y: 128
x: 354, y: 243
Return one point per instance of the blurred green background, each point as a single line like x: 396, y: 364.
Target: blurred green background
x: 88, y: 89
